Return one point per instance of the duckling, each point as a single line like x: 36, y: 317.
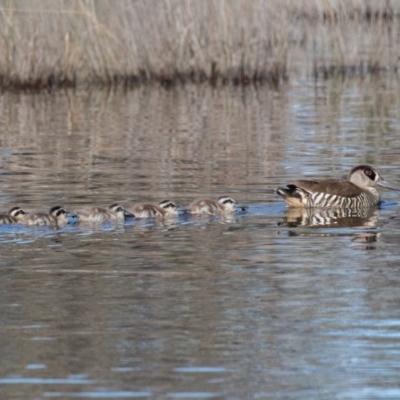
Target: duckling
x: 7, y: 219
x: 17, y: 214
x: 224, y: 205
x: 165, y: 208
x: 57, y: 216
x: 114, y: 213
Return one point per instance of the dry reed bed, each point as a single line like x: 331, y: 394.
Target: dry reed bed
x: 55, y: 43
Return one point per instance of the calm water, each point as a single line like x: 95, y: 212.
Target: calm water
x: 267, y: 304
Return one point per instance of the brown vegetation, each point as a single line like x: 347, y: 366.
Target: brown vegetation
x: 55, y: 43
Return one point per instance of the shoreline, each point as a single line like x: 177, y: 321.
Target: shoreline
x: 78, y: 44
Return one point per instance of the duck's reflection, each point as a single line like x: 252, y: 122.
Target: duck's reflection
x: 367, y: 239
x: 340, y: 218
x: 335, y: 218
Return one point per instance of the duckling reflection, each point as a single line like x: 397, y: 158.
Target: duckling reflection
x: 367, y: 239
x: 223, y: 206
x: 114, y: 213
x: 340, y: 218
x: 58, y: 216
x: 165, y: 208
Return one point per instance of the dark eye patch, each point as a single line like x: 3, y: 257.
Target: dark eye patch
x: 371, y: 174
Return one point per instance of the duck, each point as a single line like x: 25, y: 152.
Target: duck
x: 165, y: 208
x: 114, y: 213
x: 357, y: 191
x: 224, y: 205
x: 17, y: 214
x: 57, y: 216
x: 7, y: 219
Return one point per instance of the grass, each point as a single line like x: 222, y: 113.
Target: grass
x: 69, y: 43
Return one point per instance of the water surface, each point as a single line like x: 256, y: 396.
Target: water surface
x: 267, y: 304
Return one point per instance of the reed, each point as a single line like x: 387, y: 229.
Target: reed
x: 57, y: 43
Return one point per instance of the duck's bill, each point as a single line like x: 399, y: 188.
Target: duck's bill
x: 72, y: 218
x: 128, y: 214
x: 387, y: 185
x: 241, y: 207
